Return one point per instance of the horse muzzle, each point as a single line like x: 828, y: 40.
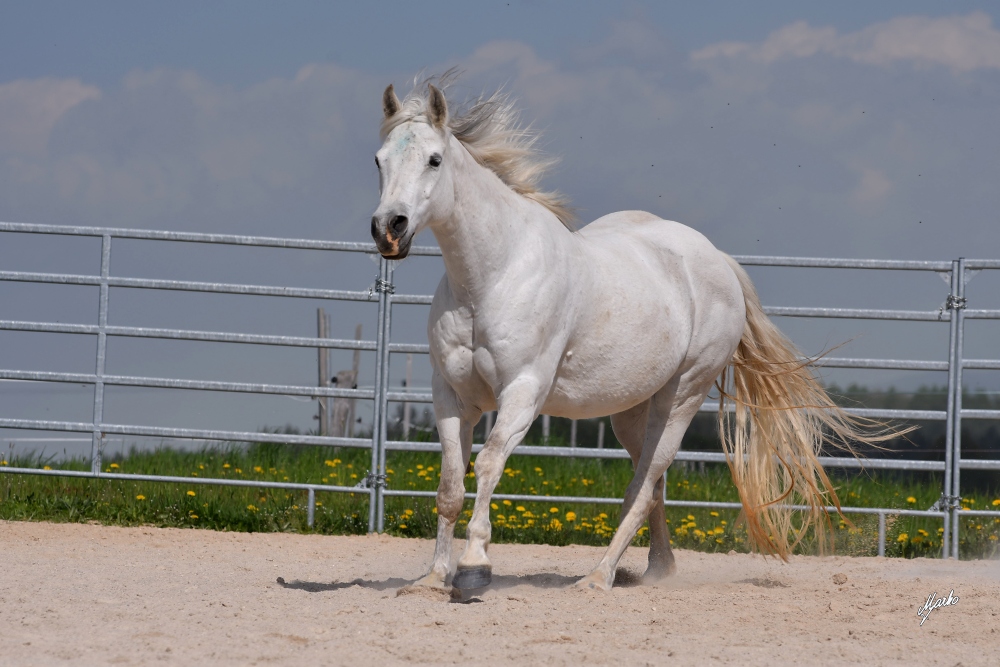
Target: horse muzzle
x: 392, y: 238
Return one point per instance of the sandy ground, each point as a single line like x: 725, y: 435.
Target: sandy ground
x: 86, y: 594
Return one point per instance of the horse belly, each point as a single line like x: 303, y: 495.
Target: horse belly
x: 599, y: 378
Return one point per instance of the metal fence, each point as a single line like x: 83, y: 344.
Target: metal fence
x: 382, y: 295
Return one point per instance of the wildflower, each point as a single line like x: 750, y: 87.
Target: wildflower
x: 251, y: 508
x: 571, y: 516
x: 902, y: 537
x: 225, y: 465
x: 507, y: 503
x: 402, y: 526
x: 140, y: 497
x: 408, y: 512
x: 46, y: 467
x: 239, y: 471
x: 538, y: 470
x: 319, y: 504
x: 420, y: 466
x: 690, y: 517
x: 554, y: 510
x: 494, y: 506
x: 191, y: 493
x: 258, y: 469
x: 193, y: 516
x: 390, y: 471
x: 520, y: 508
x: 114, y: 465
x: 911, y: 499
x: 713, y: 514
x: 201, y: 466
x: 995, y: 502
x: 354, y: 476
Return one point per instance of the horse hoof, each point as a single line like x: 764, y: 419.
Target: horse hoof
x: 478, y: 576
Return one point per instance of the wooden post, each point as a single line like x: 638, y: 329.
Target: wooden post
x: 600, y: 434
x: 572, y: 433
x: 356, y: 367
x: 406, y: 405
x: 322, y: 331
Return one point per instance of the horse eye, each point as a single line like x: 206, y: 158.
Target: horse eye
x: 435, y: 160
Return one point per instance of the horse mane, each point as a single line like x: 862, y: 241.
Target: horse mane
x: 490, y: 129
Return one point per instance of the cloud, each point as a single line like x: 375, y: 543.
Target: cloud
x: 30, y: 108
x: 962, y: 43
x: 170, y: 145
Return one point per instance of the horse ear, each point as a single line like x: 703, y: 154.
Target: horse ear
x: 437, y: 108
x: 390, y: 103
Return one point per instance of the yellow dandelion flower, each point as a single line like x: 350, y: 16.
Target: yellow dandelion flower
x: 319, y: 504
x: 911, y: 499
x: 995, y: 502
x: 114, y: 465
x: 571, y: 516
x: 258, y: 469
x: 494, y: 506
x: 520, y: 508
x: 902, y: 537
x: 402, y: 526
x: 408, y: 512
x: 690, y: 517
x: 194, y: 516
x: 251, y: 508
x: 191, y: 493
x: 713, y: 514
x: 46, y: 467
x: 140, y: 497
x: 554, y: 510
x: 225, y: 465
x: 507, y: 503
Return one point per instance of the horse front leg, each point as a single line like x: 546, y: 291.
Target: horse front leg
x: 517, y: 409
x: 455, y: 430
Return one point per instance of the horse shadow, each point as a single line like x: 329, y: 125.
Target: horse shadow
x: 543, y: 580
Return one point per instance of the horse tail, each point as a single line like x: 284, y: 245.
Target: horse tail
x: 772, y: 441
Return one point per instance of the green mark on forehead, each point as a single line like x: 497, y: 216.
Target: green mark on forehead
x: 403, y: 141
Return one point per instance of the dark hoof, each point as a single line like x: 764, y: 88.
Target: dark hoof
x: 472, y: 577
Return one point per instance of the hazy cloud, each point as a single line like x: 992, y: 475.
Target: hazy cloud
x: 963, y: 43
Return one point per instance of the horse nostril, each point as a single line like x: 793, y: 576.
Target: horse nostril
x: 399, y: 224
x: 374, y: 227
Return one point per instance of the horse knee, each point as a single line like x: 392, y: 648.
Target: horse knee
x: 450, y: 498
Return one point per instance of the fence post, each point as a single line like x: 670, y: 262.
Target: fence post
x: 600, y: 434
x: 97, y: 441
x: 572, y: 433
x: 949, y: 427
x: 381, y: 345
x: 385, y: 324
x: 957, y: 306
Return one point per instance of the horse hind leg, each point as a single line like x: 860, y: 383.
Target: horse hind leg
x: 671, y: 410
x: 630, y: 429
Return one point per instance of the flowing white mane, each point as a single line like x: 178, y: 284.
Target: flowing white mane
x: 491, y: 131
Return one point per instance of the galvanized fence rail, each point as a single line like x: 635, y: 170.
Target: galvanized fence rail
x: 382, y: 295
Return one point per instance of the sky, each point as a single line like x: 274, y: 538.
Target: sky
x: 850, y: 129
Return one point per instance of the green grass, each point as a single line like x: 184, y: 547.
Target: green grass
x: 128, y: 503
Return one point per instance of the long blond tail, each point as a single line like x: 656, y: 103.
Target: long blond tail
x: 773, y: 439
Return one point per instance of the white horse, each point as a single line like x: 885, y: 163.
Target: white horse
x: 632, y: 316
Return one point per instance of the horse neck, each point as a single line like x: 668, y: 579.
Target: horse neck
x: 489, y: 225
